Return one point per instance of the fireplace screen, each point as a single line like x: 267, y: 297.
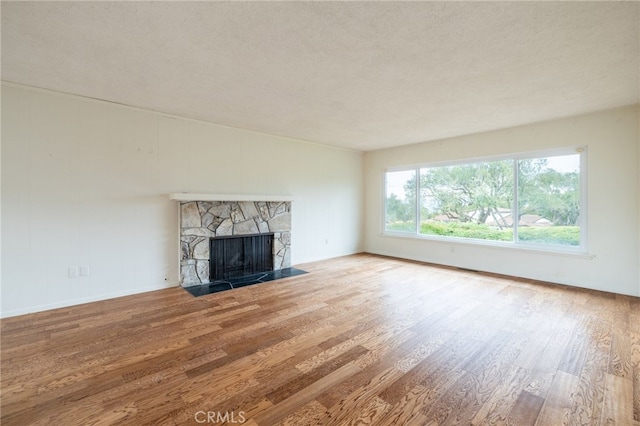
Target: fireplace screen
x: 239, y: 256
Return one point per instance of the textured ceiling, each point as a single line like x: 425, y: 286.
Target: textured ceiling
x: 362, y: 75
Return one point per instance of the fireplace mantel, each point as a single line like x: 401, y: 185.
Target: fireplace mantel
x: 190, y: 196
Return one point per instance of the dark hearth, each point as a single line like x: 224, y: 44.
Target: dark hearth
x: 222, y: 285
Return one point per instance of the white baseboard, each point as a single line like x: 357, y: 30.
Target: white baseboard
x: 72, y: 302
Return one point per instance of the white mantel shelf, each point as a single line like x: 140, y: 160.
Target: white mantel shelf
x: 190, y: 196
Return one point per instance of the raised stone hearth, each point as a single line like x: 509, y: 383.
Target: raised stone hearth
x: 202, y: 220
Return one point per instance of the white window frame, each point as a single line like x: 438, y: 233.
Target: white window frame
x: 514, y: 244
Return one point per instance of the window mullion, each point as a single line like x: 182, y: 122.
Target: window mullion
x: 515, y: 216
x: 417, y: 206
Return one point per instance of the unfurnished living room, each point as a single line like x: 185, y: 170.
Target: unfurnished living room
x: 320, y: 213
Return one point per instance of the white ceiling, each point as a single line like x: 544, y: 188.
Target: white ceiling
x: 362, y: 75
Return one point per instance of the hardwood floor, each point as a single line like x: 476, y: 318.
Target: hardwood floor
x: 359, y: 340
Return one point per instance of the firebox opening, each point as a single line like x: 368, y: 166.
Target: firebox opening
x: 240, y: 256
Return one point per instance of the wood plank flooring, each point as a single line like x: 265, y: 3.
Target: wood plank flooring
x: 359, y: 340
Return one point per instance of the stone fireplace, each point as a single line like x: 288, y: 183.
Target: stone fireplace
x: 202, y: 221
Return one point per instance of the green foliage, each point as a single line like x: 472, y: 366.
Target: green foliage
x: 398, y: 210
x: 548, y: 193
x: 466, y: 230
x: 564, y: 235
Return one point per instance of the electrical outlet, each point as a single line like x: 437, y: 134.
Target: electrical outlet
x: 85, y: 271
x: 73, y: 271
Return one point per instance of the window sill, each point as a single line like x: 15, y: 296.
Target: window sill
x: 530, y: 248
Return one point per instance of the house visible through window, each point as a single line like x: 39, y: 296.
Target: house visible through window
x: 534, y: 200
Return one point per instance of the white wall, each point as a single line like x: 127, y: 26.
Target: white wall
x: 613, y: 163
x: 86, y: 183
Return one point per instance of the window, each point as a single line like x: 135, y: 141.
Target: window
x: 401, y: 201
x: 531, y: 200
